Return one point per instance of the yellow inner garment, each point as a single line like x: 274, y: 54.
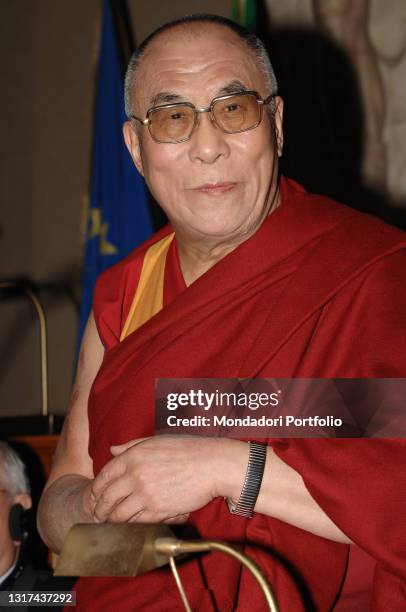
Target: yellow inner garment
x: 148, y: 298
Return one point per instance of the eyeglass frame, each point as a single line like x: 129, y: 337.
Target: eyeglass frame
x: 209, y: 109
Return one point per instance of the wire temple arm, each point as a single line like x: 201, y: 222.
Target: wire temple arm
x: 172, y: 547
x: 143, y: 121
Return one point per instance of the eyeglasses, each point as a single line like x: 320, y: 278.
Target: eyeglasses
x: 233, y: 113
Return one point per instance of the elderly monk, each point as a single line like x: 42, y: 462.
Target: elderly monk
x: 252, y: 278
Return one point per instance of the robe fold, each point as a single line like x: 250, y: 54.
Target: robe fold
x: 318, y: 292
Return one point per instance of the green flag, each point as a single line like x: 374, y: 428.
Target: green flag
x: 244, y: 13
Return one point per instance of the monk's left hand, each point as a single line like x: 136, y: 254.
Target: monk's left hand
x: 158, y: 479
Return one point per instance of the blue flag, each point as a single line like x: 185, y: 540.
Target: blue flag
x: 119, y: 218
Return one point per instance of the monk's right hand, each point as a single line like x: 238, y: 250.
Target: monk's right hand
x: 159, y: 479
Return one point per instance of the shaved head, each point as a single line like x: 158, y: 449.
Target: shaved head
x: 189, y: 28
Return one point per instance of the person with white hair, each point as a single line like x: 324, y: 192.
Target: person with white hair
x: 15, y: 500
x: 22, y: 567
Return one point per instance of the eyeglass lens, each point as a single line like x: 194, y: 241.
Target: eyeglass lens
x: 234, y: 114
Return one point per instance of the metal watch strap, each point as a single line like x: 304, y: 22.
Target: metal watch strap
x: 252, y: 483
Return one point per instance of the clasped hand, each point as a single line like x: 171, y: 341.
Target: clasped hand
x: 158, y: 479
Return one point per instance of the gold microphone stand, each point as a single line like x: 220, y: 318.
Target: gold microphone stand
x: 130, y: 549
x: 171, y: 547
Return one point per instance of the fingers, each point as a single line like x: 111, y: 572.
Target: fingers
x: 177, y: 520
x: 110, y: 498
x: 111, y: 471
x: 117, y: 505
x: 113, y: 483
x: 151, y: 517
x: 127, y: 509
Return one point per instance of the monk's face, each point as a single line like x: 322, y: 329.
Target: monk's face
x: 215, y: 186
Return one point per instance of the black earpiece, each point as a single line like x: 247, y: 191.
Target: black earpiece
x: 18, y: 521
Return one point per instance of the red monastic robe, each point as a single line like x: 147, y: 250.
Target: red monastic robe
x: 318, y: 291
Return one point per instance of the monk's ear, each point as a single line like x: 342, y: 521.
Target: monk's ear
x: 278, y: 123
x: 132, y: 142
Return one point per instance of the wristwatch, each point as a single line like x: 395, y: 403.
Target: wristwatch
x: 252, y: 483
